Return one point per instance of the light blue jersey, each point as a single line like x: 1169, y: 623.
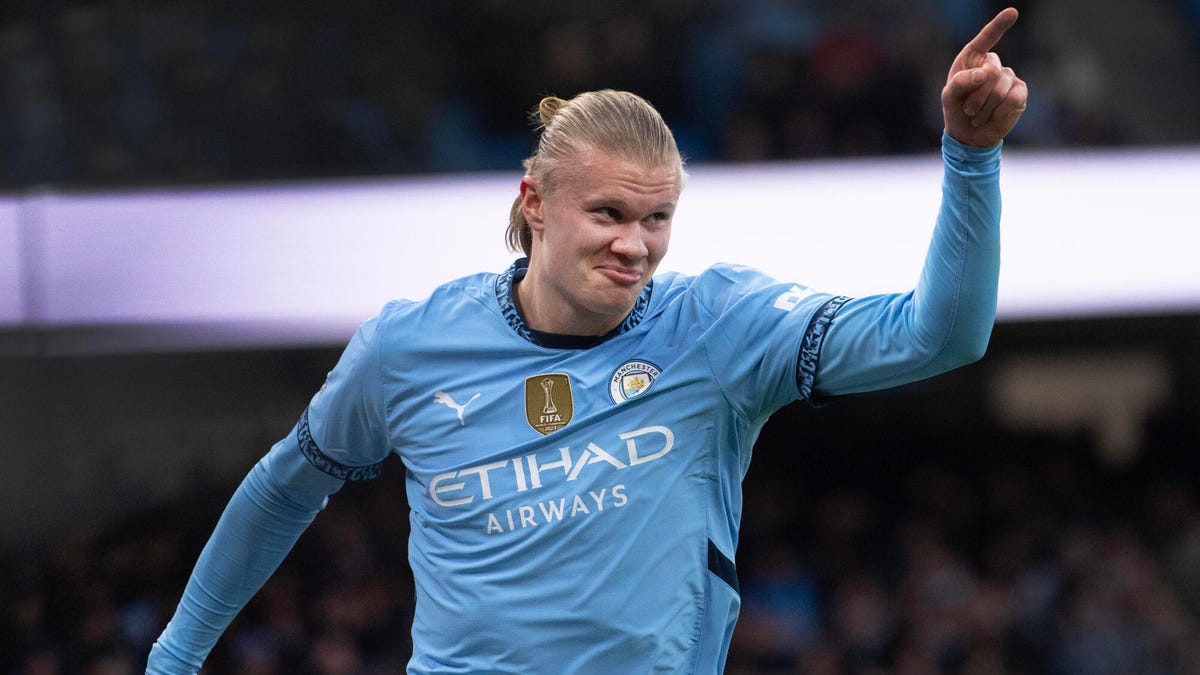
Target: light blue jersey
x: 575, y: 502
x: 573, y: 509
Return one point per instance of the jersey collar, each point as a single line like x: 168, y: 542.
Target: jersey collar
x: 507, y: 281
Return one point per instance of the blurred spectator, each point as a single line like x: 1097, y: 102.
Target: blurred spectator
x: 1010, y: 563
x: 1015, y: 555
x: 103, y: 93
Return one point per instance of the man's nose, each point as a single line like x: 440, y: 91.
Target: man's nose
x: 629, y: 242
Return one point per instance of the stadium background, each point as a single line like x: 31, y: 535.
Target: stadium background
x: 1036, y: 512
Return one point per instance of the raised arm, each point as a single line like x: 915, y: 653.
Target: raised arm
x: 945, y: 322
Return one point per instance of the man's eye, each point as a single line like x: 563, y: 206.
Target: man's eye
x: 657, y: 218
x: 609, y: 212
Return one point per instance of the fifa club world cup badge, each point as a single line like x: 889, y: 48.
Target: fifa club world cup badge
x: 549, y: 404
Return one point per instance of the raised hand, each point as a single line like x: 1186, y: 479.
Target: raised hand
x: 983, y: 99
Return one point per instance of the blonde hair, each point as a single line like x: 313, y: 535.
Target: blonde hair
x: 616, y: 123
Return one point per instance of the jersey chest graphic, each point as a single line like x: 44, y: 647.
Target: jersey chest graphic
x: 477, y: 416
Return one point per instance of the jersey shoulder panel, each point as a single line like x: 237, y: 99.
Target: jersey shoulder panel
x: 716, y: 288
x: 346, y: 428
x: 473, y: 289
x: 757, y: 328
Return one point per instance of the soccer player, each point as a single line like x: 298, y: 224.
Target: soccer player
x: 574, y: 430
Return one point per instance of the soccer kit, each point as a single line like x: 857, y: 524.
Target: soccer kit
x: 575, y: 501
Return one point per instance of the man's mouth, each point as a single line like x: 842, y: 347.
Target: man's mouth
x: 624, y: 276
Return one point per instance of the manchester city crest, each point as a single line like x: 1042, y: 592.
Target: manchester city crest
x: 631, y: 379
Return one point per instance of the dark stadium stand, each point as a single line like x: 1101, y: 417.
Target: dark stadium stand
x: 919, y: 530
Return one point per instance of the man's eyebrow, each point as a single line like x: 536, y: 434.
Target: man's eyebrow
x: 610, y: 199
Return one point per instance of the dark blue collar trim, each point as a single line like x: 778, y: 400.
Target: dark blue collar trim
x: 507, y: 282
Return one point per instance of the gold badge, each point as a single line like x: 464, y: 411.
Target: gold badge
x: 548, y: 402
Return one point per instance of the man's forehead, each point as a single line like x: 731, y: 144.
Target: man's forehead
x: 600, y: 172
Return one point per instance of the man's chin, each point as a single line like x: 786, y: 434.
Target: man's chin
x: 618, y: 305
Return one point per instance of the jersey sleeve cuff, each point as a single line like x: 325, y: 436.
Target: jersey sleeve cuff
x: 970, y: 158
x: 811, y: 343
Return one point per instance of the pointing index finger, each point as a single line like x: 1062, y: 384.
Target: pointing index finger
x: 990, y: 35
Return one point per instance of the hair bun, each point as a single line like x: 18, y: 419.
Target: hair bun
x: 548, y: 108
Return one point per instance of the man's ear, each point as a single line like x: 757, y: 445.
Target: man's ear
x: 531, y: 204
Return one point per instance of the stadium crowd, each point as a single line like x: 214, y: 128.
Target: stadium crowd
x: 127, y: 93
x: 1007, y: 553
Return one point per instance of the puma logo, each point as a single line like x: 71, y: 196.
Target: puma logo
x: 447, y: 400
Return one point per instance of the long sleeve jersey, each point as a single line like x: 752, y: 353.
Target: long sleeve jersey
x: 575, y: 503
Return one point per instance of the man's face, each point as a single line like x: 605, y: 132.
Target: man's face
x: 598, y: 237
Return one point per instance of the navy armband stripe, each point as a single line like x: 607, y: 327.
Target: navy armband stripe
x: 810, y: 345
x: 720, y: 565
x: 315, y: 456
